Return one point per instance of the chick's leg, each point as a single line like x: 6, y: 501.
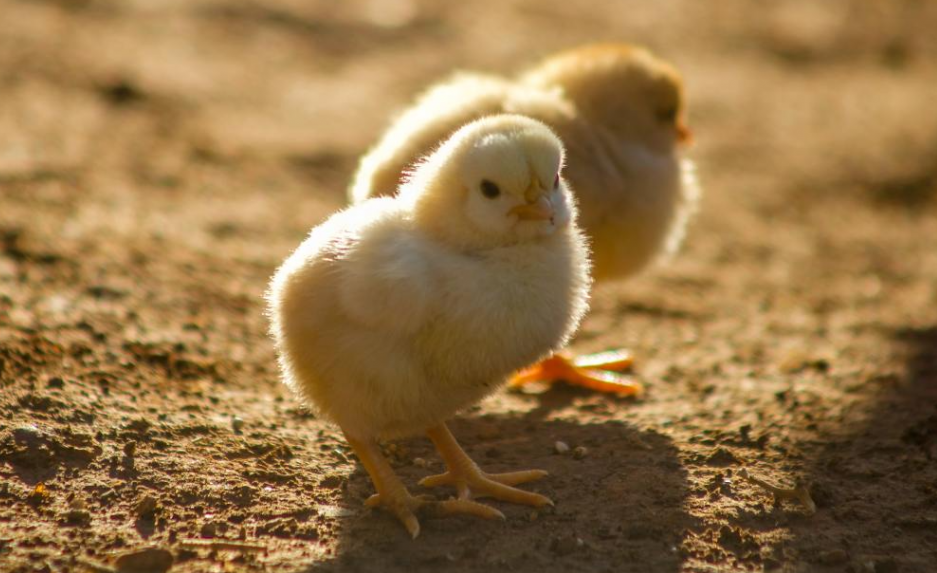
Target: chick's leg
x: 598, y: 372
x: 393, y: 495
x: 469, y: 479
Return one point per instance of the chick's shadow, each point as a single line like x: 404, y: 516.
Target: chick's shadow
x: 619, y: 495
x: 874, y: 483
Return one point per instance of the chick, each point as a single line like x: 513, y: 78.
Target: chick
x: 397, y: 312
x: 620, y: 112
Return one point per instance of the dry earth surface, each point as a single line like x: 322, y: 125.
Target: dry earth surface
x: 158, y: 160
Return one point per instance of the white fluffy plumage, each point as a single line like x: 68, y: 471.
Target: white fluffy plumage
x: 397, y: 312
x: 619, y: 111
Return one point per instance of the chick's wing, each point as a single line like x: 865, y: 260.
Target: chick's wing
x: 386, y: 279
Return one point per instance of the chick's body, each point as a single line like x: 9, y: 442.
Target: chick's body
x: 388, y: 332
x: 397, y: 312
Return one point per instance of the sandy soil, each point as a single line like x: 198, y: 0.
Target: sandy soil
x: 158, y: 160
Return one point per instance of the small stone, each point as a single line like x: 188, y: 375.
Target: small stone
x: 561, y: 447
x: 722, y: 456
x: 78, y: 517
x: 55, y: 382
x: 146, y: 507
x: 237, y: 424
x: 580, y: 452
x: 209, y: 529
x: 27, y: 434
x: 419, y: 462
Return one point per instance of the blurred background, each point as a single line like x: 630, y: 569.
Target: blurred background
x: 159, y: 159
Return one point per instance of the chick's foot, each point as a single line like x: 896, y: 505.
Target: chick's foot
x: 393, y: 496
x: 598, y: 372
x: 470, y: 481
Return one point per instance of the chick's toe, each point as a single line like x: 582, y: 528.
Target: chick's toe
x: 470, y: 481
x: 598, y: 372
x: 393, y: 496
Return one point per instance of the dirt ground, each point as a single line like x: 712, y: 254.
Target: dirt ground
x: 159, y: 159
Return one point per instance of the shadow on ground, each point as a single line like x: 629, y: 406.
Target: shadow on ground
x: 868, y: 508
x: 622, y: 502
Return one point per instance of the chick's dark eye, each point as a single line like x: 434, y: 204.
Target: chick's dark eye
x: 489, y: 189
x: 668, y: 115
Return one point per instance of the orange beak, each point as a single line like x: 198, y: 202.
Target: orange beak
x: 684, y: 135
x: 538, y: 210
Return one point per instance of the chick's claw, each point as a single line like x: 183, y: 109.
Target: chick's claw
x: 406, y: 507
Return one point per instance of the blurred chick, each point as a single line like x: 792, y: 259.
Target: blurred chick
x: 398, y: 312
x: 620, y: 112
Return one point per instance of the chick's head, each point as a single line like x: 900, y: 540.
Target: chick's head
x: 626, y: 88
x: 495, y: 182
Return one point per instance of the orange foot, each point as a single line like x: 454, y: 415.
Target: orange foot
x: 594, y: 371
x: 470, y: 481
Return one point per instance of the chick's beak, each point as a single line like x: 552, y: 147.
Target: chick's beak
x: 540, y: 209
x: 684, y: 135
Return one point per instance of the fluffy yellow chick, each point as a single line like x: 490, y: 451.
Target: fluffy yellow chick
x: 620, y: 112
x: 398, y: 312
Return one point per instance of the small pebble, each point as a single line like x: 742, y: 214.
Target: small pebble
x: 146, y: 507
x: 237, y: 424
x: 419, y: 462
x: 580, y: 452
x: 561, y: 447
x: 210, y: 529
x: 78, y: 517
x: 27, y: 434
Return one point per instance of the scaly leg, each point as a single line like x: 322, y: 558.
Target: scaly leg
x: 470, y: 480
x: 393, y: 495
x: 594, y: 371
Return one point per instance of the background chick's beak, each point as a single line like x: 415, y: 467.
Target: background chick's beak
x: 684, y: 135
x: 538, y: 210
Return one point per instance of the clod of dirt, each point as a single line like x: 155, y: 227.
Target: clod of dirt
x: 148, y: 560
x: 79, y: 517
x: 27, y: 435
x: 121, y: 92
x: 721, y: 457
x: 798, y: 493
x: 209, y: 530
x: 579, y: 452
x: 566, y: 544
x: 146, y: 507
